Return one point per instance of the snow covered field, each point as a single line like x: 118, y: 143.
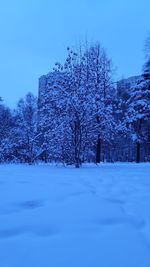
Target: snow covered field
x: 66, y: 217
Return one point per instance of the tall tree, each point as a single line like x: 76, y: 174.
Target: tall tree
x: 77, y: 107
x: 6, y: 124
x: 24, y: 134
x: 138, y: 115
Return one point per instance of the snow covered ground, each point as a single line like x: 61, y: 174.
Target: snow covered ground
x: 96, y: 216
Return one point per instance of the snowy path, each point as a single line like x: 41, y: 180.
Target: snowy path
x: 65, y: 217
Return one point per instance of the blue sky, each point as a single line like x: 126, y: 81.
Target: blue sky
x: 34, y: 35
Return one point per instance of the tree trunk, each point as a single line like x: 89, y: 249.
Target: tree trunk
x: 138, y: 154
x: 77, y: 143
x: 45, y: 156
x: 98, y: 150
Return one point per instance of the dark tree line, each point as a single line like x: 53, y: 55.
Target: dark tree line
x: 80, y: 115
